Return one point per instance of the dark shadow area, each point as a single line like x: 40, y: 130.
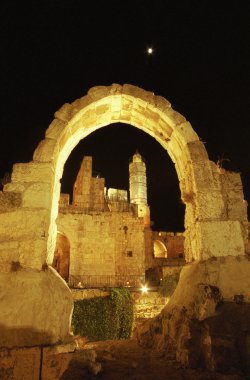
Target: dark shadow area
x: 23, y: 337
x: 122, y: 360
x: 222, y: 342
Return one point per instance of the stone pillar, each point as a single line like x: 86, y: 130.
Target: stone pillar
x: 36, y: 303
x: 138, y: 187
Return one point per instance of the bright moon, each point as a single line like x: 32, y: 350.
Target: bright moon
x: 150, y: 50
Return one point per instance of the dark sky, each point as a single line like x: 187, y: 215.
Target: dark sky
x: 53, y: 51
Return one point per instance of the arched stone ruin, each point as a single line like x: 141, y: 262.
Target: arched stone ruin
x: 216, y: 222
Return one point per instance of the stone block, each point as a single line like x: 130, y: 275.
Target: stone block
x: 21, y: 363
x: 54, y: 366
x: 82, y: 102
x: 80, y: 124
x: 152, y: 115
x: 161, y: 103
x: 47, y: 151
x: 196, y: 151
x: 219, y: 238
x: 209, y: 205
x: 115, y: 89
x: 37, y: 195
x: 116, y: 104
x: 202, y: 178
x: 174, y: 118
x: 21, y: 224
x: 32, y: 172
x: 174, y: 149
x: 98, y: 92
x: 42, y: 316
x: 237, y: 209
x: 107, y: 118
x: 231, y: 180
x: 103, y: 108
x: 184, y: 133
x: 125, y: 117
x: 14, y: 187
x: 55, y: 129
x: 9, y: 200
x: 65, y: 138
x: 64, y: 113
x: 137, y: 92
x: 9, y: 254
x: 127, y: 104
x: 166, y: 129
x: 38, y: 247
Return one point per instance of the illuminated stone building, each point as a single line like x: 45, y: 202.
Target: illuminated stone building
x: 105, y: 239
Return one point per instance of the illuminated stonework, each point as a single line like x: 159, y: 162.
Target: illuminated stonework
x: 215, y: 218
x: 137, y: 180
x: 138, y: 187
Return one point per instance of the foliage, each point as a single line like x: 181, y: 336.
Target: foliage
x: 169, y: 283
x: 104, y: 318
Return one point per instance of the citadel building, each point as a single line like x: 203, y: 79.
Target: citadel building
x: 104, y: 237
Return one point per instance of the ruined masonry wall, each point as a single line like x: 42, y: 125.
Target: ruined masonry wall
x: 148, y: 305
x: 174, y: 243
x: 88, y: 191
x: 104, y: 244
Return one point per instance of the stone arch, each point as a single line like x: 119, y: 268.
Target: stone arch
x: 215, y: 220
x: 160, y: 250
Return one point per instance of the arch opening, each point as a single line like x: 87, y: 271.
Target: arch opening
x: 160, y: 250
x: 111, y: 161
x: 61, y: 261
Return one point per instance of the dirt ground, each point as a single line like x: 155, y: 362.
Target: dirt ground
x: 124, y: 359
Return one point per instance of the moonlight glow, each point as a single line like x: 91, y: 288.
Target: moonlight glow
x: 150, y: 51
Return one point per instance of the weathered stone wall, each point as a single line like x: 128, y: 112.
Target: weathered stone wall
x: 24, y: 220
x: 105, y: 247
x: 88, y: 191
x: 220, y: 214
x: 148, y: 305
x: 48, y: 363
x: 35, y: 308
x: 149, y: 248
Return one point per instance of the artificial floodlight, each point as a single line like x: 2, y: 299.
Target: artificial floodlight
x: 144, y: 289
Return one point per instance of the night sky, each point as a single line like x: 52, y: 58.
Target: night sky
x: 53, y: 51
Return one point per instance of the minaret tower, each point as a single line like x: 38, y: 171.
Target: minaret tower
x: 138, y: 187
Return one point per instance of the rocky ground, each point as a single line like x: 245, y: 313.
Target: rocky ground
x: 120, y: 360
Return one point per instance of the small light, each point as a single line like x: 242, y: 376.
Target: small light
x: 150, y: 50
x: 79, y: 285
x: 144, y: 289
